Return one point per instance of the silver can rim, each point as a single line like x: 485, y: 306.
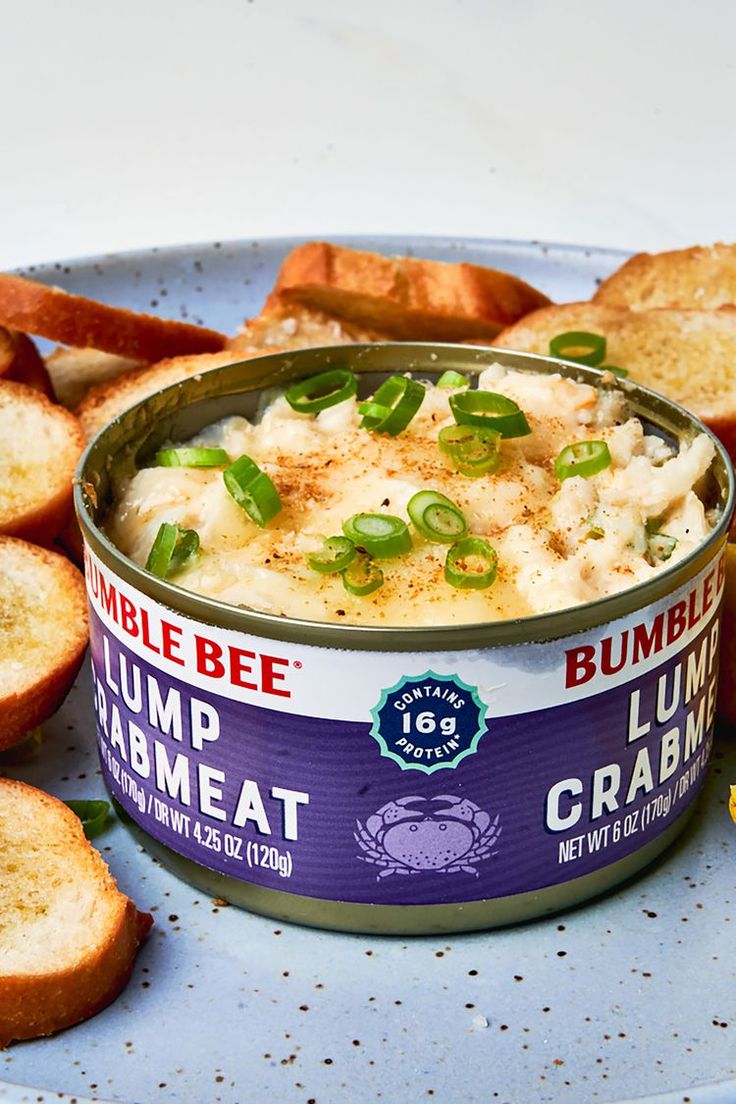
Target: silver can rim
x: 145, y: 424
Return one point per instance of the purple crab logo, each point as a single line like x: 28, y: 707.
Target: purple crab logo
x: 447, y: 840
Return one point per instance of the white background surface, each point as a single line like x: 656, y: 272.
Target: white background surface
x: 163, y: 121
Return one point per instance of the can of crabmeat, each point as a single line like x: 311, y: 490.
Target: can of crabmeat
x: 397, y: 780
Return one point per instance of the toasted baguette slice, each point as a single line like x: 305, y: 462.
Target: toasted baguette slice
x: 689, y: 356
x: 701, y: 278
x: 73, y: 320
x: 40, y: 444
x: 20, y: 360
x: 403, y: 297
x: 7, y: 351
x: 74, y: 371
x: 68, y: 936
x: 29, y: 367
x: 105, y: 402
x: 288, y: 325
x: 43, y: 635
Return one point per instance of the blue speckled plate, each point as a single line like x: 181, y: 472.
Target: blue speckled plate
x: 622, y: 1000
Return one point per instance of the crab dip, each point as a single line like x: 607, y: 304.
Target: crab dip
x: 543, y: 495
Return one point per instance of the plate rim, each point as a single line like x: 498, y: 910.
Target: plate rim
x: 522, y: 245
x: 16, y: 1093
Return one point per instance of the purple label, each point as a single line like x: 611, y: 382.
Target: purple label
x: 452, y: 804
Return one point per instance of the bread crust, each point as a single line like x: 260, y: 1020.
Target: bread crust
x: 74, y: 371
x: 557, y: 318
x: 700, y: 278
x: 687, y: 355
x: 25, y: 708
x: 7, y: 351
x: 290, y: 325
x: 405, y: 298
x: 108, y: 400
x: 724, y: 427
x: 21, y: 361
x: 57, y: 315
x: 42, y: 520
x: 40, y: 1004
x: 32, y: 1006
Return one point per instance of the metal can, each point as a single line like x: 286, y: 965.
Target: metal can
x: 397, y: 780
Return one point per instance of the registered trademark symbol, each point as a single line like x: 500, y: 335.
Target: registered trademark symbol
x: 298, y: 664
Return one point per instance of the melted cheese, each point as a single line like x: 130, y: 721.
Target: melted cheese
x: 326, y: 468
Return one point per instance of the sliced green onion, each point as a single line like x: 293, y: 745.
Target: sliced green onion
x: 162, y: 549
x: 243, y: 470
x: 171, y: 549
x: 398, y: 398
x: 471, y: 564
x: 362, y: 576
x: 473, y: 450
x: 436, y: 517
x: 186, y: 547
x: 92, y: 814
x: 622, y: 373
x: 381, y: 535
x: 336, y: 554
x: 594, y: 530
x: 489, y: 411
x: 192, y: 458
x: 253, y: 490
x: 325, y: 389
x: 584, y: 458
x: 373, y: 413
x: 661, y: 546
x: 580, y: 347
x: 453, y: 379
